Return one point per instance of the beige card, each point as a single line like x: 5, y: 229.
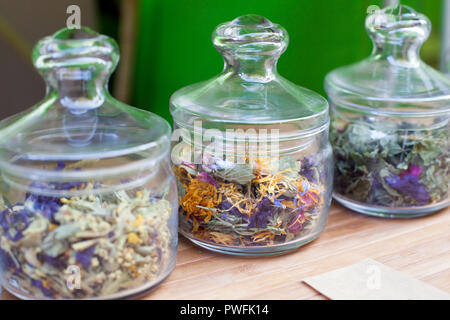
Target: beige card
x: 371, y: 280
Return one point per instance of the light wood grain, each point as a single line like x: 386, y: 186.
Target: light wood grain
x: 419, y: 247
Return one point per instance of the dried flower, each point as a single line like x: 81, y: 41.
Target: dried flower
x: 6, y: 262
x: 200, y: 195
x: 84, y: 257
x: 412, y: 170
x: 408, y: 183
x: 40, y: 285
x: 296, y: 225
x: 262, y: 215
x: 51, y: 234
x: 392, y: 168
x: 14, y: 222
x: 248, y: 204
x: 228, y: 208
x: 204, y: 177
x: 309, y: 169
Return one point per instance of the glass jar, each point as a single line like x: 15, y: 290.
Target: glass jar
x: 253, y: 162
x: 88, y: 205
x: 390, y: 123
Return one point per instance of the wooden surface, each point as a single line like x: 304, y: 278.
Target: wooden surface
x: 419, y: 247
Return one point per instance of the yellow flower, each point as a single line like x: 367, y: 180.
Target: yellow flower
x: 66, y: 201
x: 133, y: 270
x: 133, y: 238
x: 216, y: 237
x: 264, y: 236
x: 201, y: 194
x: 138, y: 222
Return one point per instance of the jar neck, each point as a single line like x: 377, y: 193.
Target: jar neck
x: 401, y: 53
x: 252, y: 67
x: 77, y: 88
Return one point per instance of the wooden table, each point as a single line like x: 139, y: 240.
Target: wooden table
x: 419, y: 247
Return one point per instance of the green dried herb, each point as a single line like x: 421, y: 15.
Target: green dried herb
x: 240, y: 173
x: 116, y: 241
x: 393, y: 167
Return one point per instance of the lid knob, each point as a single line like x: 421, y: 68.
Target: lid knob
x: 77, y: 64
x: 76, y: 48
x: 398, y: 32
x: 251, y: 34
x: 251, y: 45
x: 397, y: 24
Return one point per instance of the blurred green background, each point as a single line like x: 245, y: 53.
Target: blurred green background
x: 166, y: 44
x: 175, y: 49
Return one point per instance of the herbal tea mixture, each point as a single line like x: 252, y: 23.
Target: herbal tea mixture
x: 394, y: 168
x: 117, y: 241
x: 261, y: 202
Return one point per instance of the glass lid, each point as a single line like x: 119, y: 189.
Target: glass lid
x: 393, y: 78
x: 249, y: 90
x: 78, y: 119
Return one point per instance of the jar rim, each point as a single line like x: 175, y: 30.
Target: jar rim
x: 340, y: 93
x: 49, y: 175
x: 323, y: 121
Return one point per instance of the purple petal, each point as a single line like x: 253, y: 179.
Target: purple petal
x: 48, y: 205
x: 412, y: 170
x: 6, y: 262
x: 57, y: 262
x: 188, y: 164
x: 3, y: 219
x: 296, y: 224
x: 261, y: 217
x: 307, y: 169
x: 84, y: 257
x: 61, y: 165
x: 38, y: 284
x: 226, y: 206
x: 15, y: 222
x: 410, y: 185
x: 204, y: 177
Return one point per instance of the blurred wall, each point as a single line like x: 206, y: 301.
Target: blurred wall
x: 22, y: 24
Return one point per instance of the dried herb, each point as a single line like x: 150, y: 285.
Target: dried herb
x: 261, y: 202
x: 119, y: 241
x: 393, y: 167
